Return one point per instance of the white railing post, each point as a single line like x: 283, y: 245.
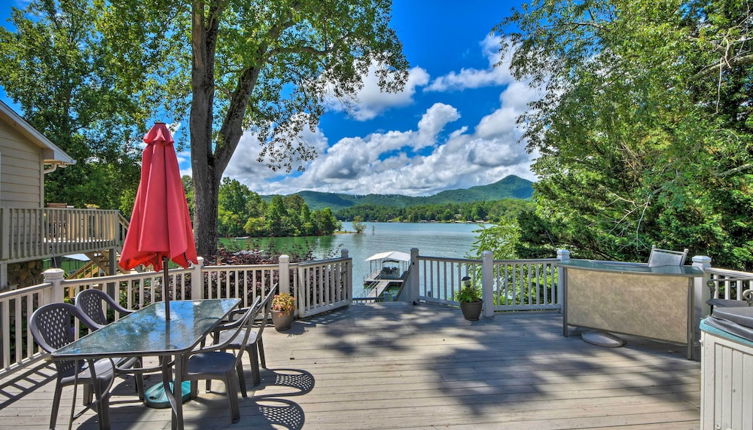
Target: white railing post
x: 55, y: 277
x: 284, y: 271
x: 701, y: 292
x: 487, y: 283
x: 344, y: 253
x: 563, y: 255
x: 197, y: 280
x: 414, y: 280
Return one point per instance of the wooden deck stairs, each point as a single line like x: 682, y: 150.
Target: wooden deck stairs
x: 99, y: 261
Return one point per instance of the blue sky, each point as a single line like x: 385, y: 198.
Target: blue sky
x: 453, y: 126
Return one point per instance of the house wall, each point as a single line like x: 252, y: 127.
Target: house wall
x: 21, y: 177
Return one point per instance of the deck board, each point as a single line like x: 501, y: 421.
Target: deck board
x: 392, y: 365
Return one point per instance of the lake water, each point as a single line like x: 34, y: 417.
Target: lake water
x: 431, y: 239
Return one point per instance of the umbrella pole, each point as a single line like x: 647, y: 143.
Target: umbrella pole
x: 166, y: 289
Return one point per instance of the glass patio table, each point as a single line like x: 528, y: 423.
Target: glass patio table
x: 147, y: 333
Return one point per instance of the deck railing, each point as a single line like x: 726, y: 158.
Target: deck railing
x: 318, y: 286
x: 18, y: 347
x: 526, y: 284
x: 507, y: 285
x: 730, y: 284
x: 324, y: 285
x: 440, y: 278
x: 44, y: 232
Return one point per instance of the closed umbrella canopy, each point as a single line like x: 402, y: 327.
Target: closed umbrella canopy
x: 160, y: 224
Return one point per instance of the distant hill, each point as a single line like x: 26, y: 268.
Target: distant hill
x: 509, y: 187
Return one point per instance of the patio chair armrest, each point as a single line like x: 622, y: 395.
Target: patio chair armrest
x: 116, y: 306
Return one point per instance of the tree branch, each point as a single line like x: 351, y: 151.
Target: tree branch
x: 735, y: 170
x: 232, y: 125
x: 737, y: 61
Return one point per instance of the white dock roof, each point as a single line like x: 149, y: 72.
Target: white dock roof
x: 392, y: 255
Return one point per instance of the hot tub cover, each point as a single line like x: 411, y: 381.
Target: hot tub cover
x: 737, y: 321
x: 742, y: 315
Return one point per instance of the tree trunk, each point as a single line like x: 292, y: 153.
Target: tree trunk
x: 205, y: 182
x: 205, y: 215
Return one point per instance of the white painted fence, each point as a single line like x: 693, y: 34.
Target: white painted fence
x: 28, y: 233
x: 324, y: 285
x: 506, y: 285
x: 526, y: 284
x: 319, y: 286
x: 730, y: 284
x: 18, y: 347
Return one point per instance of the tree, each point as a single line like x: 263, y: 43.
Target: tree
x: 277, y: 220
x: 644, y: 129
x: 265, y: 67
x: 325, y: 221
x: 59, y: 67
x: 358, y: 224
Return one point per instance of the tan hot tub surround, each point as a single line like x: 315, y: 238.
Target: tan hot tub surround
x: 631, y: 298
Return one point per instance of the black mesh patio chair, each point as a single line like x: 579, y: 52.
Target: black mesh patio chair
x: 213, y: 362
x: 90, y: 303
x: 52, y: 327
x: 255, y: 346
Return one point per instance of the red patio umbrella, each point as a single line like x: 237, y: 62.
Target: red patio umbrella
x: 160, y: 227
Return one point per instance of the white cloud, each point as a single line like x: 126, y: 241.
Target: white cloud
x: 476, y: 78
x: 419, y: 161
x: 245, y: 166
x: 370, y: 101
x: 387, y: 162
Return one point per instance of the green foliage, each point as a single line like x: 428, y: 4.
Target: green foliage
x: 56, y: 63
x: 243, y: 212
x: 644, y: 129
x: 447, y: 212
x: 358, y: 224
x: 469, y: 294
x: 501, y: 239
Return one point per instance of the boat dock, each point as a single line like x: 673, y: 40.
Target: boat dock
x: 375, y: 289
x: 388, y: 269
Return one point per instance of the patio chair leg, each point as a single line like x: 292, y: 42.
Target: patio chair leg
x: 87, y: 399
x: 56, y: 405
x: 262, y: 357
x: 254, y: 358
x: 194, y: 389
x: 241, y: 379
x: 139, y: 379
x: 104, y: 405
x: 232, y: 395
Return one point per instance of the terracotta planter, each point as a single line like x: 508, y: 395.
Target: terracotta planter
x: 471, y: 311
x: 282, y: 320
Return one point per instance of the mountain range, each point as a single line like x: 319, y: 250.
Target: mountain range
x: 510, y: 186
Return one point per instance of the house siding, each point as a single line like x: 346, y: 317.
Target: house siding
x: 21, y: 177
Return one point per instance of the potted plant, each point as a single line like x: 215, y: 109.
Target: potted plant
x: 469, y: 297
x: 283, y: 306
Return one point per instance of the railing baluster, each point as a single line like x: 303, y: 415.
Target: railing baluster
x: 29, y: 311
x: 4, y: 311
x: 17, y: 317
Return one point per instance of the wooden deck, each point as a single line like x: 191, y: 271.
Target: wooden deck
x: 392, y: 365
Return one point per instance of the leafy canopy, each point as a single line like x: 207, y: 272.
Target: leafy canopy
x: 60, y: 68
x: 644, y: 127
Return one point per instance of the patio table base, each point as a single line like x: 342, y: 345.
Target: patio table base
x: 155, y: 396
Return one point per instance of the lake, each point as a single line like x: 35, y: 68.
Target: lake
x: 432, y: 239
